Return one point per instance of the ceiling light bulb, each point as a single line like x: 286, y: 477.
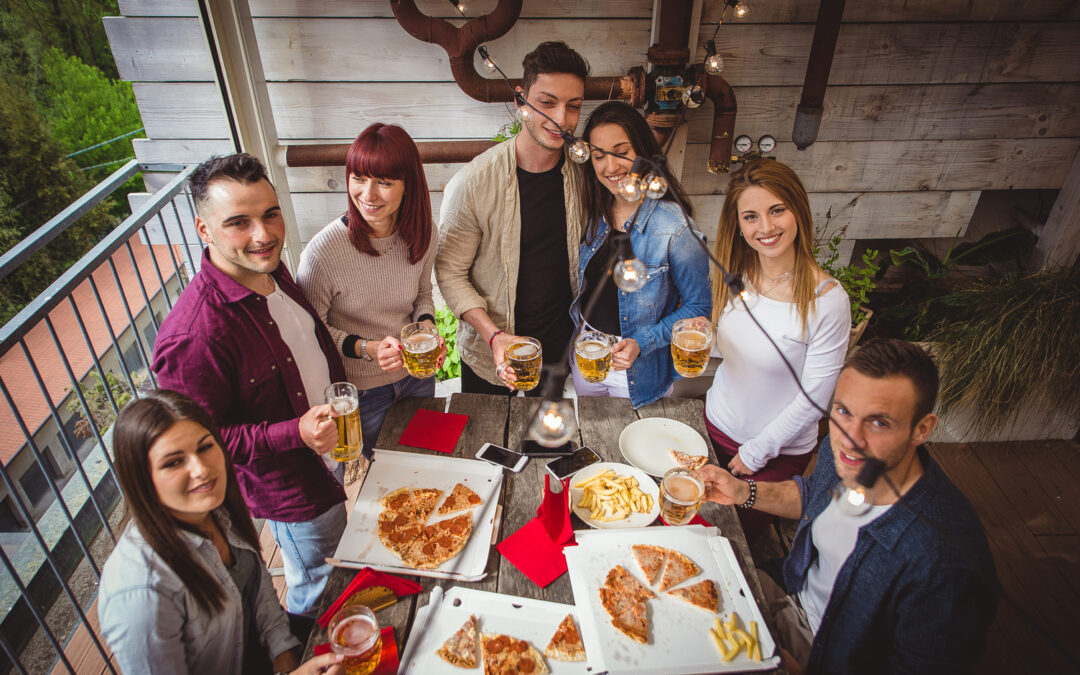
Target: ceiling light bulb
x: 461, y: 8
x: 714, y: 64
x: 555, y: 423
x: 655, y: 186
x: 693, y: 96
x: 630, y: 275
x: 747, y: 298
x: 579, y: 151
x: 524, y: 112
x: 631, y: 187
x: 490, y: 65
x: 741, y: 10
x: 851, y: 501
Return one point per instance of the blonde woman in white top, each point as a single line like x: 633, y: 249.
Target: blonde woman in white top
x: 763, y: 428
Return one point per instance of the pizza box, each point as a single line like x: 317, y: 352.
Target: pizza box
x: 678, y: 631
x: 522, y: 618
x: 360, y: 545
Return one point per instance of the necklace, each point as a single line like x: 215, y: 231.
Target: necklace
x: 774, y: 282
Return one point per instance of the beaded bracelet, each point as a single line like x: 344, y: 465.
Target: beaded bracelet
x: 491, y: 340
x: 749, y: 503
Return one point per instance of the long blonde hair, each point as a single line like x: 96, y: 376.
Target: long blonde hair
x: 737, y: 256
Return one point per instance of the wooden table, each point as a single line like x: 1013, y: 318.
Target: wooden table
x: 503, y: 420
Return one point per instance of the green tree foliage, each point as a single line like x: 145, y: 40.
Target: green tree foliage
x: 72, y: 26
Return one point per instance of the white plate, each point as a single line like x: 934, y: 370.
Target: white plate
x: 647, y: 443
x: 645, y: 484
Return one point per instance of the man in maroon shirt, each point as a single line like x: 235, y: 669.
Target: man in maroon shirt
x: 244, y: 343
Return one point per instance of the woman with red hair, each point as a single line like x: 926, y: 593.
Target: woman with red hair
x: 368, y: 273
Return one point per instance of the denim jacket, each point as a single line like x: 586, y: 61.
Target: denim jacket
x: 906, y: 600
x: 677, y: 287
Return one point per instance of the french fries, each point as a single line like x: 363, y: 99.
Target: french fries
x: 730, y: 639
x: 610, y: 497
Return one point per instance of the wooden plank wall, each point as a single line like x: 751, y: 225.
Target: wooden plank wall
x: 930, y: 101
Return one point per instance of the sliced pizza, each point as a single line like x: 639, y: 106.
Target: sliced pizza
x: 459, y: 499
x: 651, y: 560
x: 678, y: 569
x: 566, y: 644
x: 692, y: 462
x: 506, y: 655
x: 460, y: 648
x: 424, y: 501
x: 634, y: 623
x: 619, y: 579
x: 702, y: 594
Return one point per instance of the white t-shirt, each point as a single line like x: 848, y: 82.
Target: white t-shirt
x: 753, y: 398
x: 833, y: 534
x: 297, y: 329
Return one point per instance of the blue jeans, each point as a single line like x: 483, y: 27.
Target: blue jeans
x: 304, y: 548
x: 376, y: 401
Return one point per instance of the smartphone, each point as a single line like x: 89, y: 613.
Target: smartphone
x: 496, y: 454
x: 565, y: 466
x: 534, y: 449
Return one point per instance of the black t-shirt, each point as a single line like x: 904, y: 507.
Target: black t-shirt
x: 543, y: 285
x: 605, y: 315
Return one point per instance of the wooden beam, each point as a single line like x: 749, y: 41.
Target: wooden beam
x: 881, y: 11
x: 1059, y: 238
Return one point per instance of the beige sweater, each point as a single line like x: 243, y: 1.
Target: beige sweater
x: 365, y: 295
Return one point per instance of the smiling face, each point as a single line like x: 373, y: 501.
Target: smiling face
x: 878, y: 415
x: 768, y: 226
x: 378, y: 200
x: 243, y: 225
x: 606, y: 139
x: 559, y: 96
x: 187, y: 468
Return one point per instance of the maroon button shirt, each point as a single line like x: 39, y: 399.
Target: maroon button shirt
x: 220, y: 346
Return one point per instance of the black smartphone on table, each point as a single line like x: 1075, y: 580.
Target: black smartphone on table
x: 567, y: 466
x: 505, y: 457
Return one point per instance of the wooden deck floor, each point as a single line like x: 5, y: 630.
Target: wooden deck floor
x: 1028, y: 497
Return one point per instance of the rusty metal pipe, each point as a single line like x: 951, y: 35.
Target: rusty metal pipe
x: 719, y: 91
x: 431, y: 152
x: 812, y: 106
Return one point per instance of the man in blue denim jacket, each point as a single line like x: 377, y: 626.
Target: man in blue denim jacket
x: 891, y: 587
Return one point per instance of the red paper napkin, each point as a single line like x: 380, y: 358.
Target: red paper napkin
x: 554, y: 512
x: 365, y: 578
x: 531, y: 551
x: 434, y: 430
x: 696, y: 520
x: 388, y: 661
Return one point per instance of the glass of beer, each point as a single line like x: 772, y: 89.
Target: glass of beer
x: 691, y: 340
x: 420, y: 347
x: 681, y: 493
x: 593, y: 350
x: 354, y: 632
x: 345, y: 404
x: 525, y: 358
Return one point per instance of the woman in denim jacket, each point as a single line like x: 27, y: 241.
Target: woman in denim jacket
x: 677, y: 284
x: 185, y: 590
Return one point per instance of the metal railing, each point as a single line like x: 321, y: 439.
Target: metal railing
x: 66, y: 528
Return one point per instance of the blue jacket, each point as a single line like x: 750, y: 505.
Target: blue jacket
x: 677, y: 287
x: 906, y: 600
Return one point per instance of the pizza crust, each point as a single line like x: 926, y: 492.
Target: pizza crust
x: 566, y: 644
x: 678, y: 569
x: 650, y: 559
x: 703, y: 594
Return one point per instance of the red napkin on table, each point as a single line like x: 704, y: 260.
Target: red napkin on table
x: 554, y: 512
x: 388, y: 662
x: 696, y: 520
x: 365, y: 578
x: 434, y: 430
x: 536, y: 549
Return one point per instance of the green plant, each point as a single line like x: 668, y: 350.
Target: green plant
x: 447, y: 325
x: 858, y: 281
x: 100, y: 407
x: 507, y: 131
x: 1008, y: 344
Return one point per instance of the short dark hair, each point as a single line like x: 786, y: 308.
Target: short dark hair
x: 891, y: 357
x: 241, y: 167
x: 552, y: 57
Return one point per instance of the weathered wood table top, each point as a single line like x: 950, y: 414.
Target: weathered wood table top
x: 503, y: 420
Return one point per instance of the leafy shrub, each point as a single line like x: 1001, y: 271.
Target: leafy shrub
x: 447, y: 325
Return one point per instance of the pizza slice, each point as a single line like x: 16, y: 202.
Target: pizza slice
x: 634, y: 623
x: 621, y: 580
x: 702, y: 594
x: 565, y: 644
x: 424, y: 501
x: 692, y: 462
x: 460, y: 498
x: 505, y: 655
x: 679, y: 568
x: 651, y: 560
x: 460, y: 648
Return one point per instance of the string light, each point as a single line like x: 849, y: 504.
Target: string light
x: 714, y: 63
x: 741, y: 10
x: 579, y: 149
x: 629, y: 273
x: 488, y: 63
x: 693, y: 96
x: 555, y: 423
x: 655, y: 185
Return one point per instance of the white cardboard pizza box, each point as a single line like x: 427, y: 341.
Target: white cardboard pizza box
x: 360, y: 545
x: 679, y: 641
x: 522, y: 618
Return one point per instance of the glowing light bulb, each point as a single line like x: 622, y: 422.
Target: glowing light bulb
x: 489, y: 65
x: 630, y: 275
x: 555, y: 423
x: 461, y: 8
x: 714, y: 64
x: 851, y: 501
x: 655, y: 185
x: 631, y: 187
x: 741, y: 10
x: 693, y: 96
x: 747, y: 298
x: 524, y: 112
x: 579, y: 151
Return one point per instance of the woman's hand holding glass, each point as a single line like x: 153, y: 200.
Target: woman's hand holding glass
x: 390, y: 353
x: 624, y: 353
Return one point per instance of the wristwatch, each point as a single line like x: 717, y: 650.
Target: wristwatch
x: 364, y: 356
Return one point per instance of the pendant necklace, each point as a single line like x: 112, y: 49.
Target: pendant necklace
x: 778, y: 280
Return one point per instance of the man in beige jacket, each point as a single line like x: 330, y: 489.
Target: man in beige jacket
x: 511, y: 227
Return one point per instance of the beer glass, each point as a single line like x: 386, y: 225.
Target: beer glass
x: 691, y: 340
x: 420, y: 347
x: 681, y: 493
x: 593, y: 352
x: 354, y: 632
x: 525, y: 358
x: 345, y: 404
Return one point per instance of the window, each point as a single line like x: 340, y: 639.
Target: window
x: 49, y: 459
x: 34, y: 484
x: 132, y: 359
x: 10, y: 520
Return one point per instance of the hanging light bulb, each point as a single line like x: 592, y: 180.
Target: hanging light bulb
x: 655, y: 185
x: 693, y: 96
x: 524, y: 111
x: 714, y: 63
x: 555, y: 423
x: 630, y: 275
x: 579, y: 150
x: 744, y: 295
x: 488, y: 63
x: 851, y: 501
x: 631, y: 187
x: 741, y: 10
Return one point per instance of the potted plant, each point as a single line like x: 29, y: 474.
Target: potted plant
x: 858, y: 280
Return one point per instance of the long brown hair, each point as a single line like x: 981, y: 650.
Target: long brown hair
x: 137, y: 428
x: 737, y: 256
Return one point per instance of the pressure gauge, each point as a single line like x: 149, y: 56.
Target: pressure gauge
x: 766, y: 144
x: 743, y: 143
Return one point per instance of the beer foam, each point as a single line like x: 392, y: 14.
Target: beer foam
x: 683, y: 488
x: 592, y: 350
x: 355, y: 632
x: 523, y: 350
x: 344, y: 405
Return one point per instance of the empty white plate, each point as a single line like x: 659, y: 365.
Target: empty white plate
x: 647, y: 444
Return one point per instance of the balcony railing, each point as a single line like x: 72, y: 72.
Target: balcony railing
x: 68, y: 360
